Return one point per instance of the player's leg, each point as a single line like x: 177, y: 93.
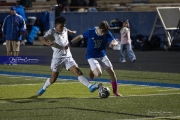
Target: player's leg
x: 48, y: 82
x: 122, y: 56
x: 95, y: 68
x: 72, y: 66
x: 130, y: 53
x: 106, y: 65
x: 56, y: 67
x: 113, y: 78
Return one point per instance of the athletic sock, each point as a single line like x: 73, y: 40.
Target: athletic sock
x: 47, y: 84
x: 114, y: 86
x: 84, y: 81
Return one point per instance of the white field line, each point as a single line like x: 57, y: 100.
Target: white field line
x: 168, y: 90
x: 11, y: 77
x: 144, y: 87
x: 22, y: 76
x: 152, y: 95
x: 170, y: 117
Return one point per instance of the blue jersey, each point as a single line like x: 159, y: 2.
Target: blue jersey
x: 96, y: 44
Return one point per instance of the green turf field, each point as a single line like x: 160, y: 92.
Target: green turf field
x: 70, y: 100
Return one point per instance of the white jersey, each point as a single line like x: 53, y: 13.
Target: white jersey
x: 61, y: 39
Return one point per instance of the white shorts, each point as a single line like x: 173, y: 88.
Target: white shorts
x: 103, y: 63
x: 57, y: 64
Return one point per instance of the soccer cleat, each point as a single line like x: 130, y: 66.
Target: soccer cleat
x: 91, y: 75
x: 117, y: 94
x: 94, y: 87
x: 40, y: 92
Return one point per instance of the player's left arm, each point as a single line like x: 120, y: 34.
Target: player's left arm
x: 71, y: 31
x: 113, y: 41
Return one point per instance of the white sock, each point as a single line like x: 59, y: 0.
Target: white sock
x: 84, y: 81
x: 47, y: 84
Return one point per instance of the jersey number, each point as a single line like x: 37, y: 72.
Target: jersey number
x: 97, y: 43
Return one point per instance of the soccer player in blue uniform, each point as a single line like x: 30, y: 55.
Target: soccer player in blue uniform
x: 97, y: 41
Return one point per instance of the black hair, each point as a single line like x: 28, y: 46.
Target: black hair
x: 104, y: 26
x: 125, y: 21
x: 60, y: 20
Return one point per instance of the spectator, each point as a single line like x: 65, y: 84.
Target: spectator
x: 20, y: 10
x: 126, y: 43
x: 78, y: 4
x: 92, y: 3
x: 26, y: 3
x: 92, y: 6
x: 13, y: 28
x: 61, y: 6
x: 1, y: 35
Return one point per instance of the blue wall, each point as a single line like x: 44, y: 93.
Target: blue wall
x: 140, y: 22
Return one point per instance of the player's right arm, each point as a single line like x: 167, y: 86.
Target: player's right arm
x: 48, y: 39
x: 45, y: 42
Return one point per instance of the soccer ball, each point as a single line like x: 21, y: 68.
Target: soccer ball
x: 104, y: 92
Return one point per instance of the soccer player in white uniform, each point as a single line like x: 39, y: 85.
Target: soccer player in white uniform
x: 62, y: 56
x: 97, y: 40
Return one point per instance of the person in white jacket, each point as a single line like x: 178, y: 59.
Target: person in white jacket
x: 126, y: 43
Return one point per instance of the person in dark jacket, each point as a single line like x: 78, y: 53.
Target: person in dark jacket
x: 26, y: 3
x: 20, y: 11
x: 61, y: 6
x: 13, y: 28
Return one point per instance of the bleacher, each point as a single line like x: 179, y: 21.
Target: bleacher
x: 37, y: 5
x: 137, y: 5
x: 103, y: 5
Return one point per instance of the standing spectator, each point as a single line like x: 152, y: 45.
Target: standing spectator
x: 126, y: 43
x: 97, y: 40
x: 13, y: 28
x: 20, y: 10
x: 61, y: 4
